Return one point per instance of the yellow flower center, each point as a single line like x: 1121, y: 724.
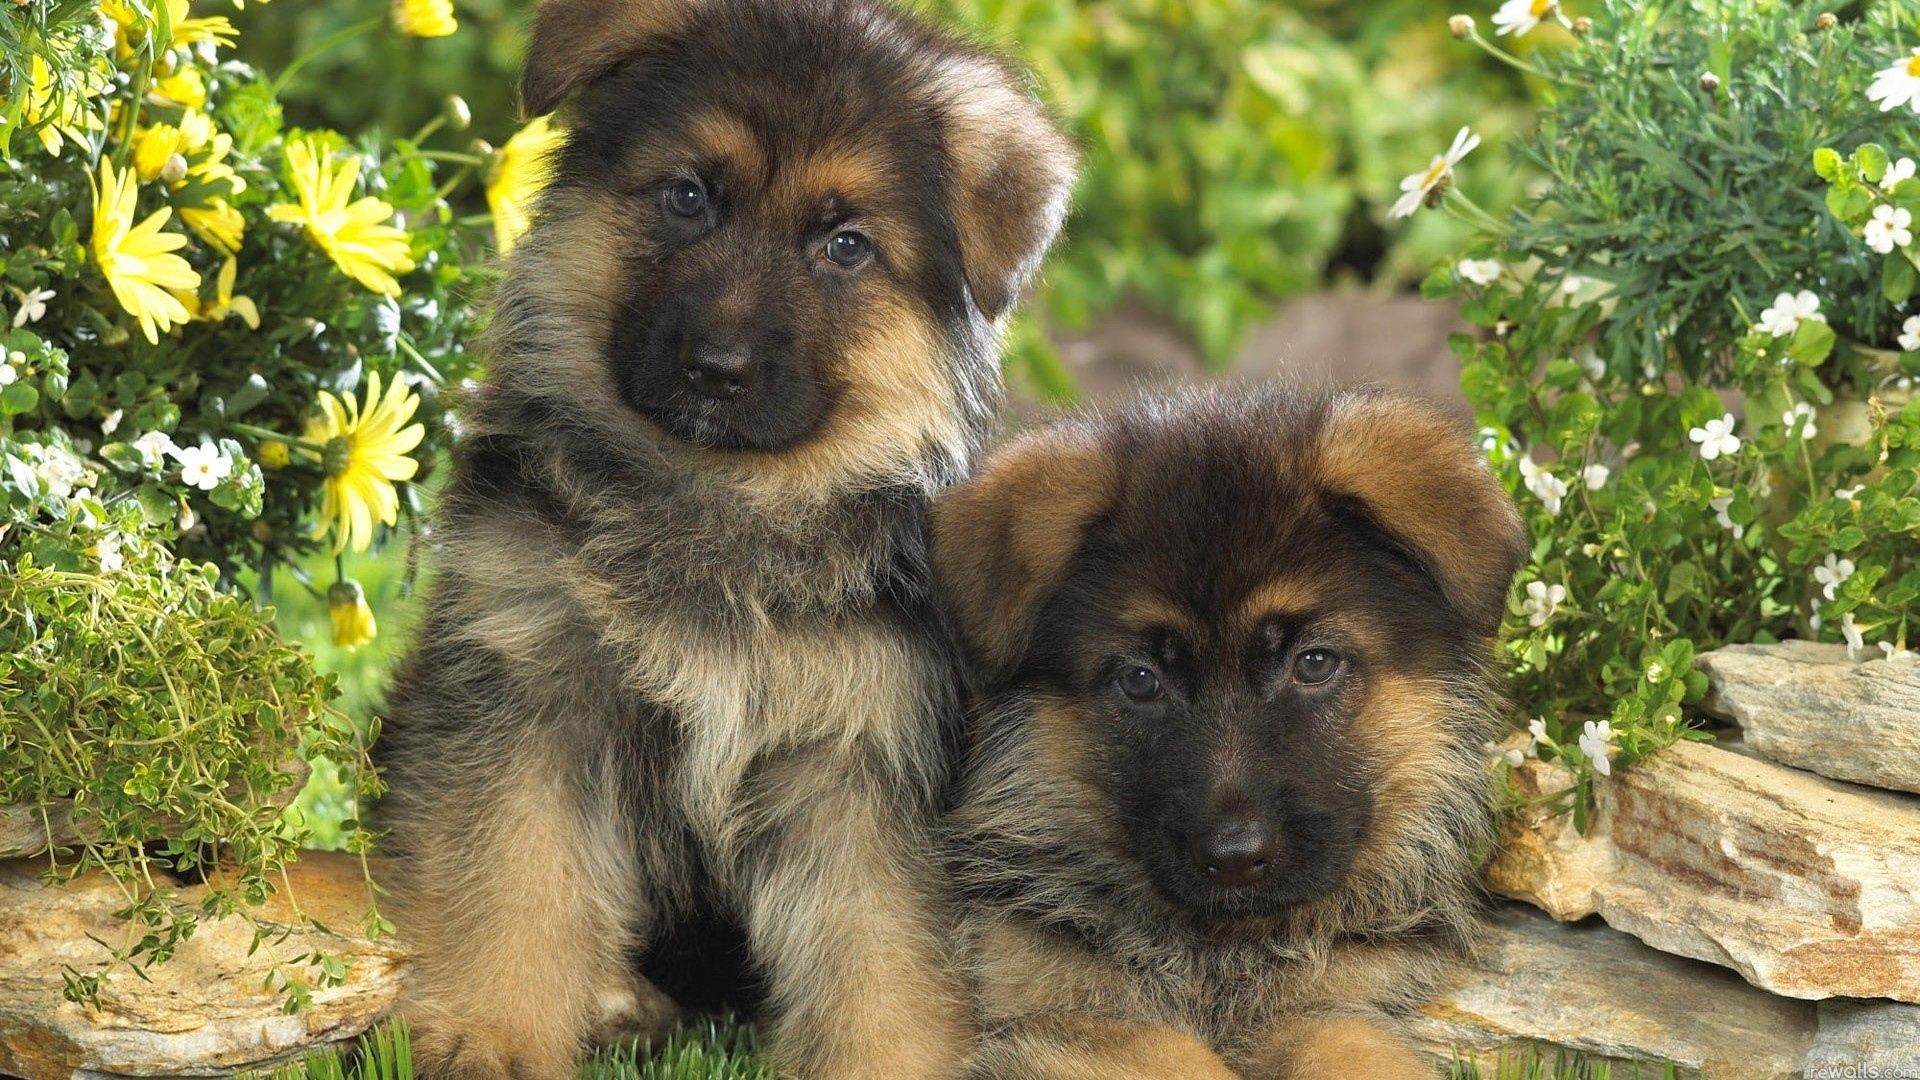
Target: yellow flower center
x: 1913, y: 66
x: 337, y: 455
x: 1440, y: 169
x: 1540, y: 9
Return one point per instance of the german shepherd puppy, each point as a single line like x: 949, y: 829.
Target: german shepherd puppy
x: 1224, y: 795
x: 681, y: 657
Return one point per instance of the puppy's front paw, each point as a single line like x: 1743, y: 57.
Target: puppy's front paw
x: 638, y: 1012
x: 451, y: 1050
x: 1337, y: 1048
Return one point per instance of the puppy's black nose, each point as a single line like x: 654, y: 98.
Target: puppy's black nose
x: 1234, y: 852
x: 720, y: 372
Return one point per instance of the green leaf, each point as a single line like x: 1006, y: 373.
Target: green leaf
x: 1812, y: 343
x: 1871, y: 160
x: 1826, y: 163
x: 17, y: 398
x: 1897, y: 279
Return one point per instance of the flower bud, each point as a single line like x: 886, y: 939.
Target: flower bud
x: 1827, y: 21
x: 1460, y: 25
x: 175, y: 170
x: 352, y: 619
x: 1582, y: 26
x: 273, y: 455
x: 1710, y: 82
x: 457, y: 113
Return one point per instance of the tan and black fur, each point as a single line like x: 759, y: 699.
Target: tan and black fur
x: 680, y: 663
x: 1224, y: 795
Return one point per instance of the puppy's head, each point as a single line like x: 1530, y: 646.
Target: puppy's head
x: 785, y: 227
x: 1243, y: 634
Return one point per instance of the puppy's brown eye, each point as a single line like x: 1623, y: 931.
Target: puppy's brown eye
x: 849, y: 248
x: 687, y: 198
x: 1315, y: 666
x: 1140, y: 684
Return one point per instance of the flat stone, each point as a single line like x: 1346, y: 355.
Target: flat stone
x: 1806, y: 886
x: 204, y: 1012
x: 1805, y: 704
x: 1586, y: 989
x: 1865, y: 1038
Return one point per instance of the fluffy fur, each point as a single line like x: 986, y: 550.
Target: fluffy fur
x: 680, y: 662
x: 1184, y: 853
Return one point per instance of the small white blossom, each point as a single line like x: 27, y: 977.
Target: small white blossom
x: 1546, y: 487
x: 1793, y: 416
x: 1593, y: 367
x: 1910, y: 334
x: 1595, y: 743
x: 154, y: 446
x: 1894, y: 653
x: 8, y: 374
x: 203, y: 467
x: 1889, y: 228
x: 1480, y: 271
x: 1832, y: 574
x: 1788, y: 309
x: 1572, y: 283
x: 1656, y: 671
x: 1537, y: 730
x: 107, y: 550
x: 1855, y: 640
x: 1517, y: 17
x: 1716, y: 438
x: 60, y: 471
x: 1595, y: 476
x: 1849, y: 494
x: 1814, y: 620
x: 1542, y: 601
x: 33, y: 307
x: 1897, y: 85
x: 111, y: 422
x: 1720, y: 507
x: 1897, y: 173
x: 1418, y: 186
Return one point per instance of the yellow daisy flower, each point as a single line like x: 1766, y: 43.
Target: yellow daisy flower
x: 516, y: 177
x: 153, y: 147
x: 353, y: 233
x: 224, y: 303
x: 365, y: 455
x: 218, y: 223
x: 424, y: 18
x: 353, y: 622
x: 137, y: 260
x: 59, y: 116
x: 185, y: 87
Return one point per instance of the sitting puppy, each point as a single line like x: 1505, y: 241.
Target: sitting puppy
x: 1224, y: 796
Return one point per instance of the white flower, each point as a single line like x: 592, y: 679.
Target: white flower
x: 1595, y: 476
x: 1594, y: 743
x: 1546, y: 487
x: 33, y: 307
x: 1894, y: 653
x: 1418, y: 186
x: 1813, y: 620
x: 1542, y: 601
x: 1832, y: 574
x: 1516, y: 17
x: 1537, y: 730
x: 154, y: 446
x: 1897, y: 85
x: 1480, y: 271
x: 1897, y: 173
x: 1889, y: 228
x: 1572, y: 283
x: 111, y: 422
x: 60, y: 471
x: 1656, y: 671
x: 1855, y: 642
x: 1720, y: 506
x: 1783, y: 318
x: 203, y: 467
x: 8, y: 374
x: 1793, y: 416
x: 1716, y: 438
x: 1910, y: 334
x: 1849, y: 494
x: 1593, y: 367
x: 107, y: 550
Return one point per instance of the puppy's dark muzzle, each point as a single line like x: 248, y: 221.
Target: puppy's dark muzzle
x: 721, y: 373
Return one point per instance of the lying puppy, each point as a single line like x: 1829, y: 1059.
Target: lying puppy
x: 1224, y: 794
x: 681, y: 663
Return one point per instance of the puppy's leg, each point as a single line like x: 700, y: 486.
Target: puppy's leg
x: 845, y: 915
x: 1065, y: 1046
x: 1333, y: 1047
x: 517, y: 894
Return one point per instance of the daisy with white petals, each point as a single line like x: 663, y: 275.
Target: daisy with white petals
x: 1427, y: 186
x: 1517, y: 17
x: 203, y: 467
x: 1716, y: 438
x: 1889, y: 228
x: 1897, y: 85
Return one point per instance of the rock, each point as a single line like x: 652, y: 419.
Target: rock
x: 1587, y: 989
x: 1807, y: 705
x: 1806, y: 886
x: 25, y: 829
x: 204, y: 1012
x: 1344, y: 339
x: 1865, y: 1038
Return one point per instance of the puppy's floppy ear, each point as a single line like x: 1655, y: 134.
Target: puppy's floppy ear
x: 1424, y: 481
x: 1005, y: 539
x: 1013, y: 171
x: 577, y: 41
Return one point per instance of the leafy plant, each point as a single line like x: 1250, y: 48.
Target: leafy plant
x: 1686, y: 367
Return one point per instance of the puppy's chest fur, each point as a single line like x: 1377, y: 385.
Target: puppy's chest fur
x: 749, y: 633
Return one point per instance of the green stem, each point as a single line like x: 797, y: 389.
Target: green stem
x: 426, y: 366
x: 427, y: 129
x: 265, y: 433
x: 455, y: 156
x: 1475, y: 215
x: 1513, y: 61
x: 323, y: 45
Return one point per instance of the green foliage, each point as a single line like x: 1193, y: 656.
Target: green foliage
x: 1531, y: 1064
x: 714, y: 1049
x: 1680, y: 265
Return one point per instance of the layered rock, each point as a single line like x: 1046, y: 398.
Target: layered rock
x: 1588, y: 989
x: 204, y: 1012
x: 1806, y: 887
x: 1807, y: 705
